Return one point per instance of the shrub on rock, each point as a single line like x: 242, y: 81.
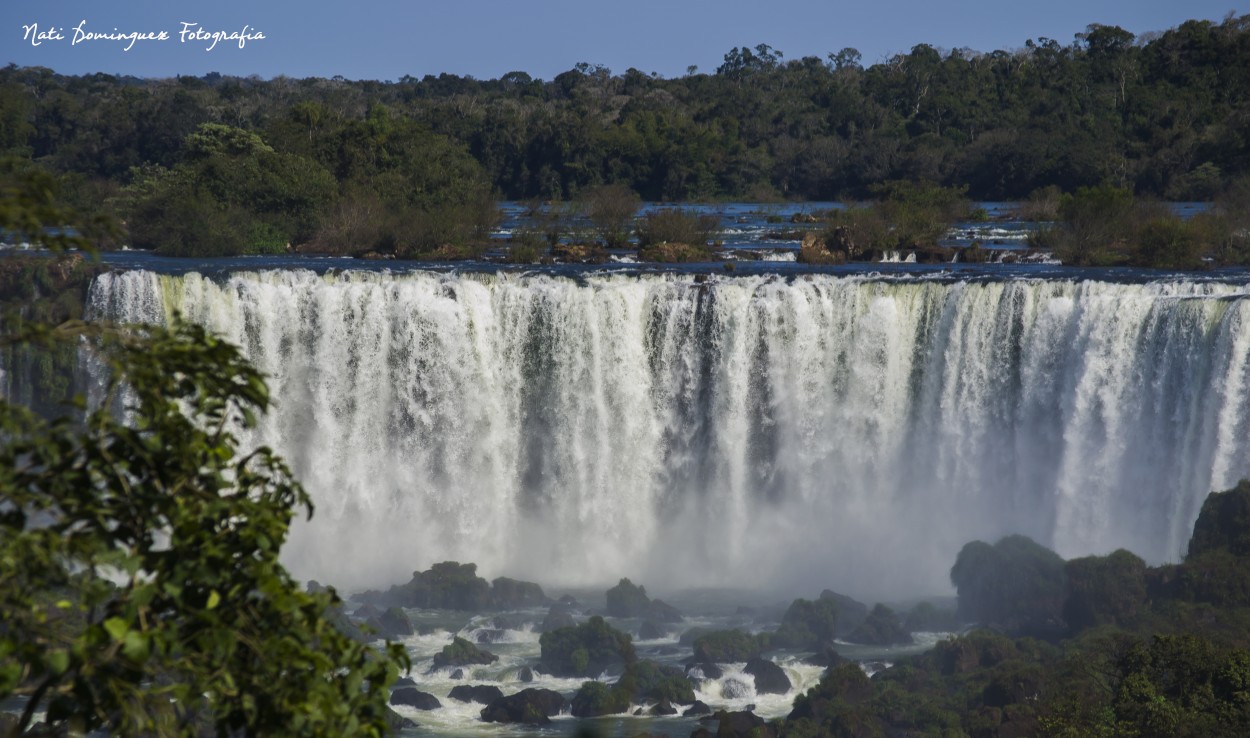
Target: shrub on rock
x: 462, y: 653
x: 586, y: 649
x: 529, y: 706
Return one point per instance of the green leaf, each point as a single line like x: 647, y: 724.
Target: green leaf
x: 214, y: 599
x: 116, y: 627
x: 136, y: 646
x: 57, y: 661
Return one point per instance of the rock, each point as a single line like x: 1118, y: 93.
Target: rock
x: 769, y: 678
x: 462, y: 653
x: 366, y: 612
x: 490, y: 635
x: 529, y: 706
x: 728, y: 646
x: 697, y: 709
x: 627, y: 600
x: 647, y: 680
x: 413, y: 697
x: 663, y: 707
x: 851, y: 612
x: 880, y: 628
x: 449, y: 585
x: 585, y: 650
x: 395, y: 721
x: 649, y: 631
x: 595, y: 699
x: 458, y: 674
x: 704, y: 671
x: 664, y: 612
x: 1223, y: 523
x: 394, y: 622
x: 482, y: 693
x: 511, y: 594
x: 558, y: 616
x: 570, y: 602
x: 741, y: 725
x: 526, y: 675
x: 700, y: 732
x: 405, y: 682
x: 808, y: 624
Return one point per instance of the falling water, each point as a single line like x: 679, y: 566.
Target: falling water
x: 821, y: 431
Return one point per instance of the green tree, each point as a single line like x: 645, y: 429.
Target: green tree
x: 140, y: 588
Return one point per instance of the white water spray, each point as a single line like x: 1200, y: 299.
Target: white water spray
x: 826, y: 431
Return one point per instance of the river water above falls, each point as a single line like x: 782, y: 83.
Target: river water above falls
x: 791, y: 432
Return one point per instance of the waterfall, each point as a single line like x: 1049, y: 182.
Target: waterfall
x: 816, y: 431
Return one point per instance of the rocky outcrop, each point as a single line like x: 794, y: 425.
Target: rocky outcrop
x: 769, y: 678
x: 585, y: 650
x: 881, y: 628
x: 558, y: 616
x: 742, y: 725
x: 483, y: 693
x: 628, y: 600
x: 462, y: 653
x: 450, y: 585
x: 413, y: 697
x: 529, y: 707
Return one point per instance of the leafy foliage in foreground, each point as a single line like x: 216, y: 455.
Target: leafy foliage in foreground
x: 142, y: 593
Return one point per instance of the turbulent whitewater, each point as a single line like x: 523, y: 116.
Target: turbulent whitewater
x: 818, y: 431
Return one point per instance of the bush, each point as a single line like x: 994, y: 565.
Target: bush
x: 1169, y: 243
x: 595, y: 699
x: 462, y: 653
x: 728, y: 646
x: 1015, y: 584
x: 610, y: 210
x: 882, y: 628
x: 675, y: 226
x: 586, y: 649
x: 1223, y: 523
x: 1104, y: 590
x: 808, y: 624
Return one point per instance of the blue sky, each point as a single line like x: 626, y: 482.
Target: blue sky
x: 387, y: 39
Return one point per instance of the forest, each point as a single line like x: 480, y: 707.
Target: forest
x: 266, y: 163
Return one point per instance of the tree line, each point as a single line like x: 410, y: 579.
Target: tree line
x: 266, y: 163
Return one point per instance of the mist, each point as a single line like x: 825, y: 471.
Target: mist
x: 786, y: 435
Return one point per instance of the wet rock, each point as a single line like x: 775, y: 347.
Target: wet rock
x: 413, y: 697
x: 490, y: 635
x: 529, y: 706
x: 663, y: 707
x: 462, y: 653
x: 697, y: 709
x: 649, y: 631
x: 512, y: 593
x: 742, y: 725
x: 526, y: 675
x: 704, y: 670
x: 881, y: 628
x: 394, y: 622
x: 458, y: 674
x: 559, y: 616
x: 769, y: 678
x: 482, y: 693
